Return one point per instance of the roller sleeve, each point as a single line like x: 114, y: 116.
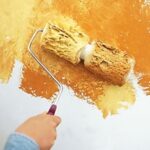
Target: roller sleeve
x: 66, y: 40
x: 110, y: 63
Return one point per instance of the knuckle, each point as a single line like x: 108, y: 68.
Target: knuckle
x: 53, y: 124
x: 55, y: 136
x: 57, y: 119
x: 53, y: 120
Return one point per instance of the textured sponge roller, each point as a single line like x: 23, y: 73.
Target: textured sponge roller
x: 110, y: 63
x: 65, y: 40
x: 68, y: 41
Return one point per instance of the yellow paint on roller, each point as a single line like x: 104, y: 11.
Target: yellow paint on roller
x: 65, y: 39
x: 110, y: 63
x: 19, y: 22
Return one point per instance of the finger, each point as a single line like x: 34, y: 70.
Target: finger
x: 54, y: 134
x: 41, y: 114
x: 57, y: 120
x: 45, y: 112
x: 54, y: 120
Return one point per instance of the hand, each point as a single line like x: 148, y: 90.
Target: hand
x: 41, y: 128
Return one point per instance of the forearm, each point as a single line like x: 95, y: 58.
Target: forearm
x: 18, y: 141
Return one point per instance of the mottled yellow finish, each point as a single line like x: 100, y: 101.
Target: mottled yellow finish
x: 14, y: 17
x: 109, y: 63
x: 65, y: 39
x: 20, y: 19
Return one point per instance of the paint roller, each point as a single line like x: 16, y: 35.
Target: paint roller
x: 68, y: 41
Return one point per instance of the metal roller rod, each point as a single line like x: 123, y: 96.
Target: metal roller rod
x: 60, y: 87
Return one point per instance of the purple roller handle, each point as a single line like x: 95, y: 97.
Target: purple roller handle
x: 52, y: 109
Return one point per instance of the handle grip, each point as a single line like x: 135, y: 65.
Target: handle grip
x: 52, y: 109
